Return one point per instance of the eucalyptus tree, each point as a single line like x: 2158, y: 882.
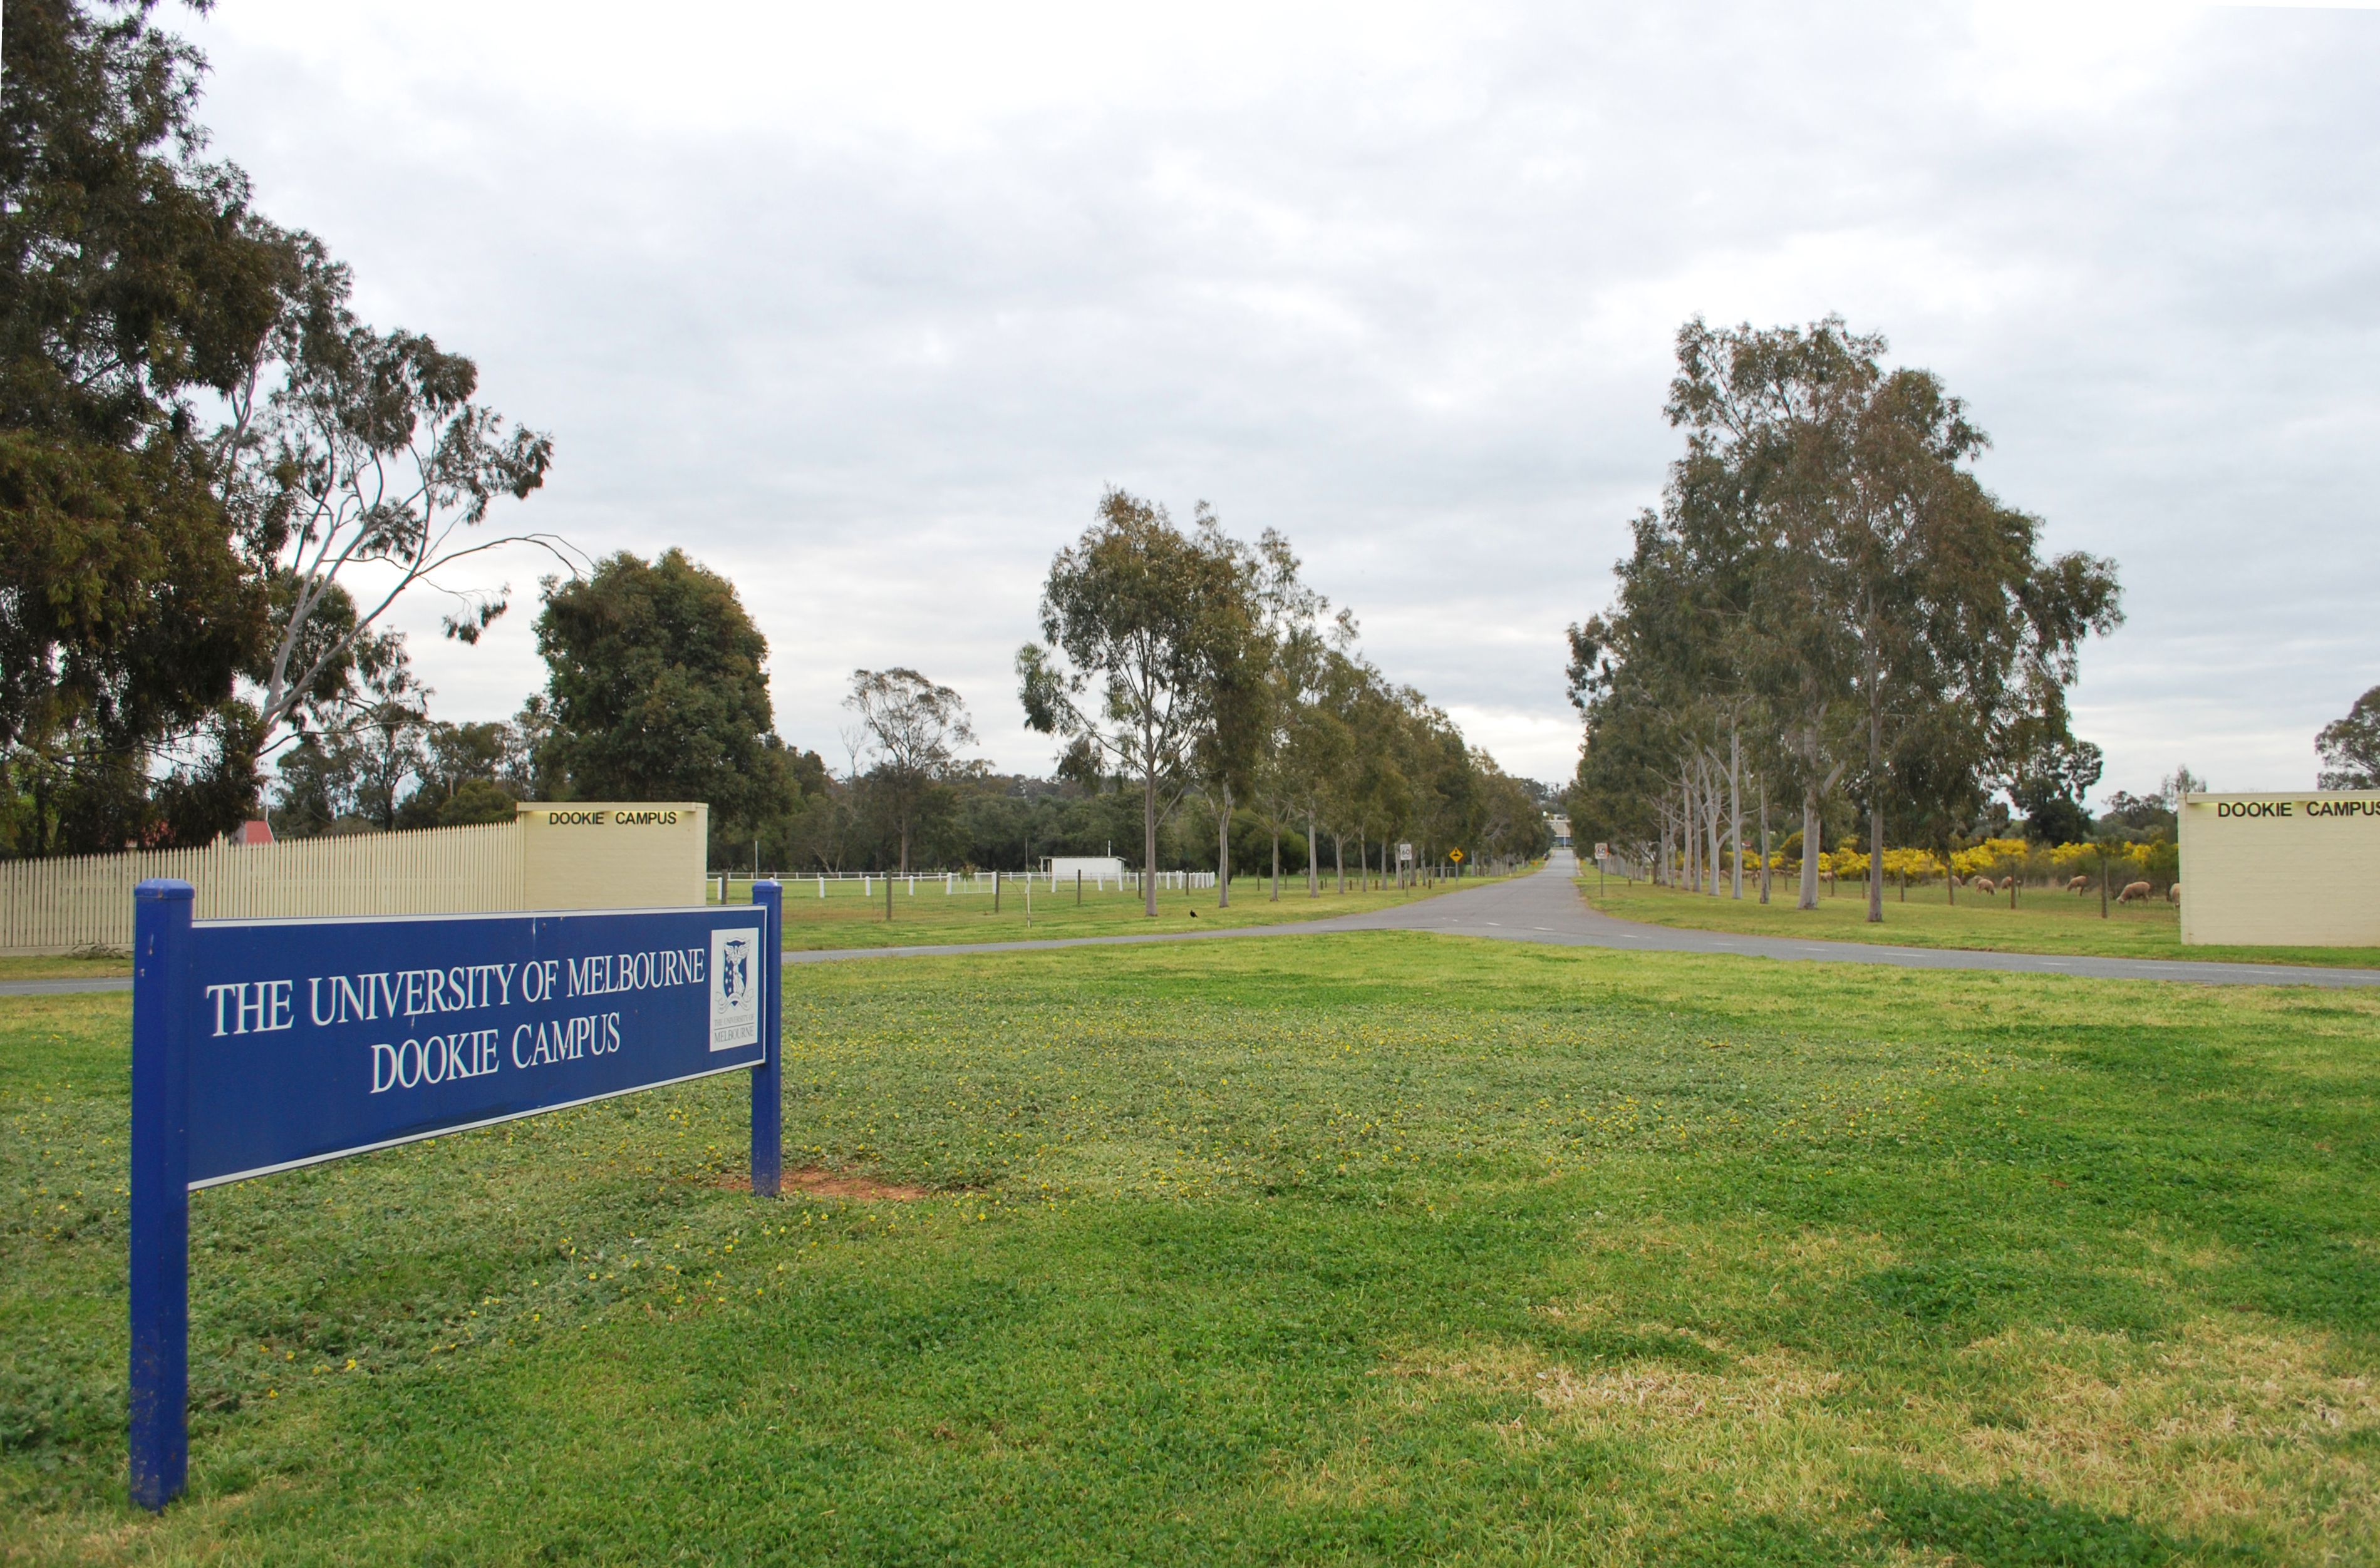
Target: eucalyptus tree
x: 2054, y: 774
x: 1362, y: 788
x: 1684, y: 611
x: 1747, y: 401
x: 1329, y: 740
x: 204, y: 456
x: 1314, y: 744
x: 1619, y: 793
x: 1275, y: 682
x: 912, y: 729
x: 2350, y: 747
x: 368, y: 462
x: 1940, y: 588
x: 1887, y: 585
x: 1373, y: 793
x: 1438, y: 763
x: 1141, y: 622
x: 139, y: 284
x: 1224, y: 754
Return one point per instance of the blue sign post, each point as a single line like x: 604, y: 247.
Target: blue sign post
x: 263, y: 1045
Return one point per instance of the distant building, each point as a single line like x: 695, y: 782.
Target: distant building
x: 1095, y: 868
x: 1560, y: 826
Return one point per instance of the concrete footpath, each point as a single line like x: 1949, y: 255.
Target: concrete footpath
x: 1546, y: 909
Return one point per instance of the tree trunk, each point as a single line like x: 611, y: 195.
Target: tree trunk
x: 1338, y: 858
x: 1313, y: 860
x: 1735, y: 810
x: 1810, y: 847
x: 1223, y: 853
x: 1710, y: 830
x: 1705, y: 844
x: 1276, y: 860
x: 1690, y: 849
x: 1875, y: 859
x: 1874, y: 795
x: 1147, y: 841
x: 1764, y: 845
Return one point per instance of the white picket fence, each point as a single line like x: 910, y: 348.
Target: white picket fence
x: 869, y: 884
x: 86, y: 901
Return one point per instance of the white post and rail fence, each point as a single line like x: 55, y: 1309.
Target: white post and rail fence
x: 725, y: 887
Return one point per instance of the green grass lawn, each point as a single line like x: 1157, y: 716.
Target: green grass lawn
x: 845, y: 919
x: 63, y: 968
x: 1368, y: 1247
x: 2043, y: 921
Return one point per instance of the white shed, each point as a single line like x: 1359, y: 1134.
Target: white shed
x: 1097, y: 870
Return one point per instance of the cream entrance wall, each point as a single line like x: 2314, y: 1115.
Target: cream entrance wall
x: 2268, y: 871
x: 613, y: 855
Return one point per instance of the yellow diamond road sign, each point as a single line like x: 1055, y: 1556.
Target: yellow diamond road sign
x: 1454, y: 855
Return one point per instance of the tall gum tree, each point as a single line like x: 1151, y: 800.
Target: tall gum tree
x: 1139, y: 619
x: 1937, y: 589
x: 1825, y: 547
x: 912, y: 727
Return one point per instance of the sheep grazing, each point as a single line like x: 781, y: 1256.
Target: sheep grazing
x: 1984, y: 884
x: 2173, y: 894
x: 2080, y: 884
x: 2132, y: 890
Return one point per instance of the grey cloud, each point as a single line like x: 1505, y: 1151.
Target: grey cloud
x: 1419, y: 320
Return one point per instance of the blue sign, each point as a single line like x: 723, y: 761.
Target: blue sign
x: 314, y: 1038
x: 262, y: 1045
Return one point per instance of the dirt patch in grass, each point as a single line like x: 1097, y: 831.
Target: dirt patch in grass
x: 842, y: 1184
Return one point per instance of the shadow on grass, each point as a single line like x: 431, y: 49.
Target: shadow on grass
x: 2011, y: 1526
x: 1969, y: 1298
x: 1756, y: 1540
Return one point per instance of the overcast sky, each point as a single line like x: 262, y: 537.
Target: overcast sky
x: 864, y: 305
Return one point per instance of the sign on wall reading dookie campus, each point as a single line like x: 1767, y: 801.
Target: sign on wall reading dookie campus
x: 259, y: 1046
x: 2282, y: 869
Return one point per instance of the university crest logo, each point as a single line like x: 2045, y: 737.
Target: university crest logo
x: 734, y: 991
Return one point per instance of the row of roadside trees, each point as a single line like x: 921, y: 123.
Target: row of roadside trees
x: 1190, y: 666
x: 1827, y: 616
x: 1245, y: 727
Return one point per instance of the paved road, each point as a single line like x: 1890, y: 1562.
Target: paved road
x: 1547, y: 909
